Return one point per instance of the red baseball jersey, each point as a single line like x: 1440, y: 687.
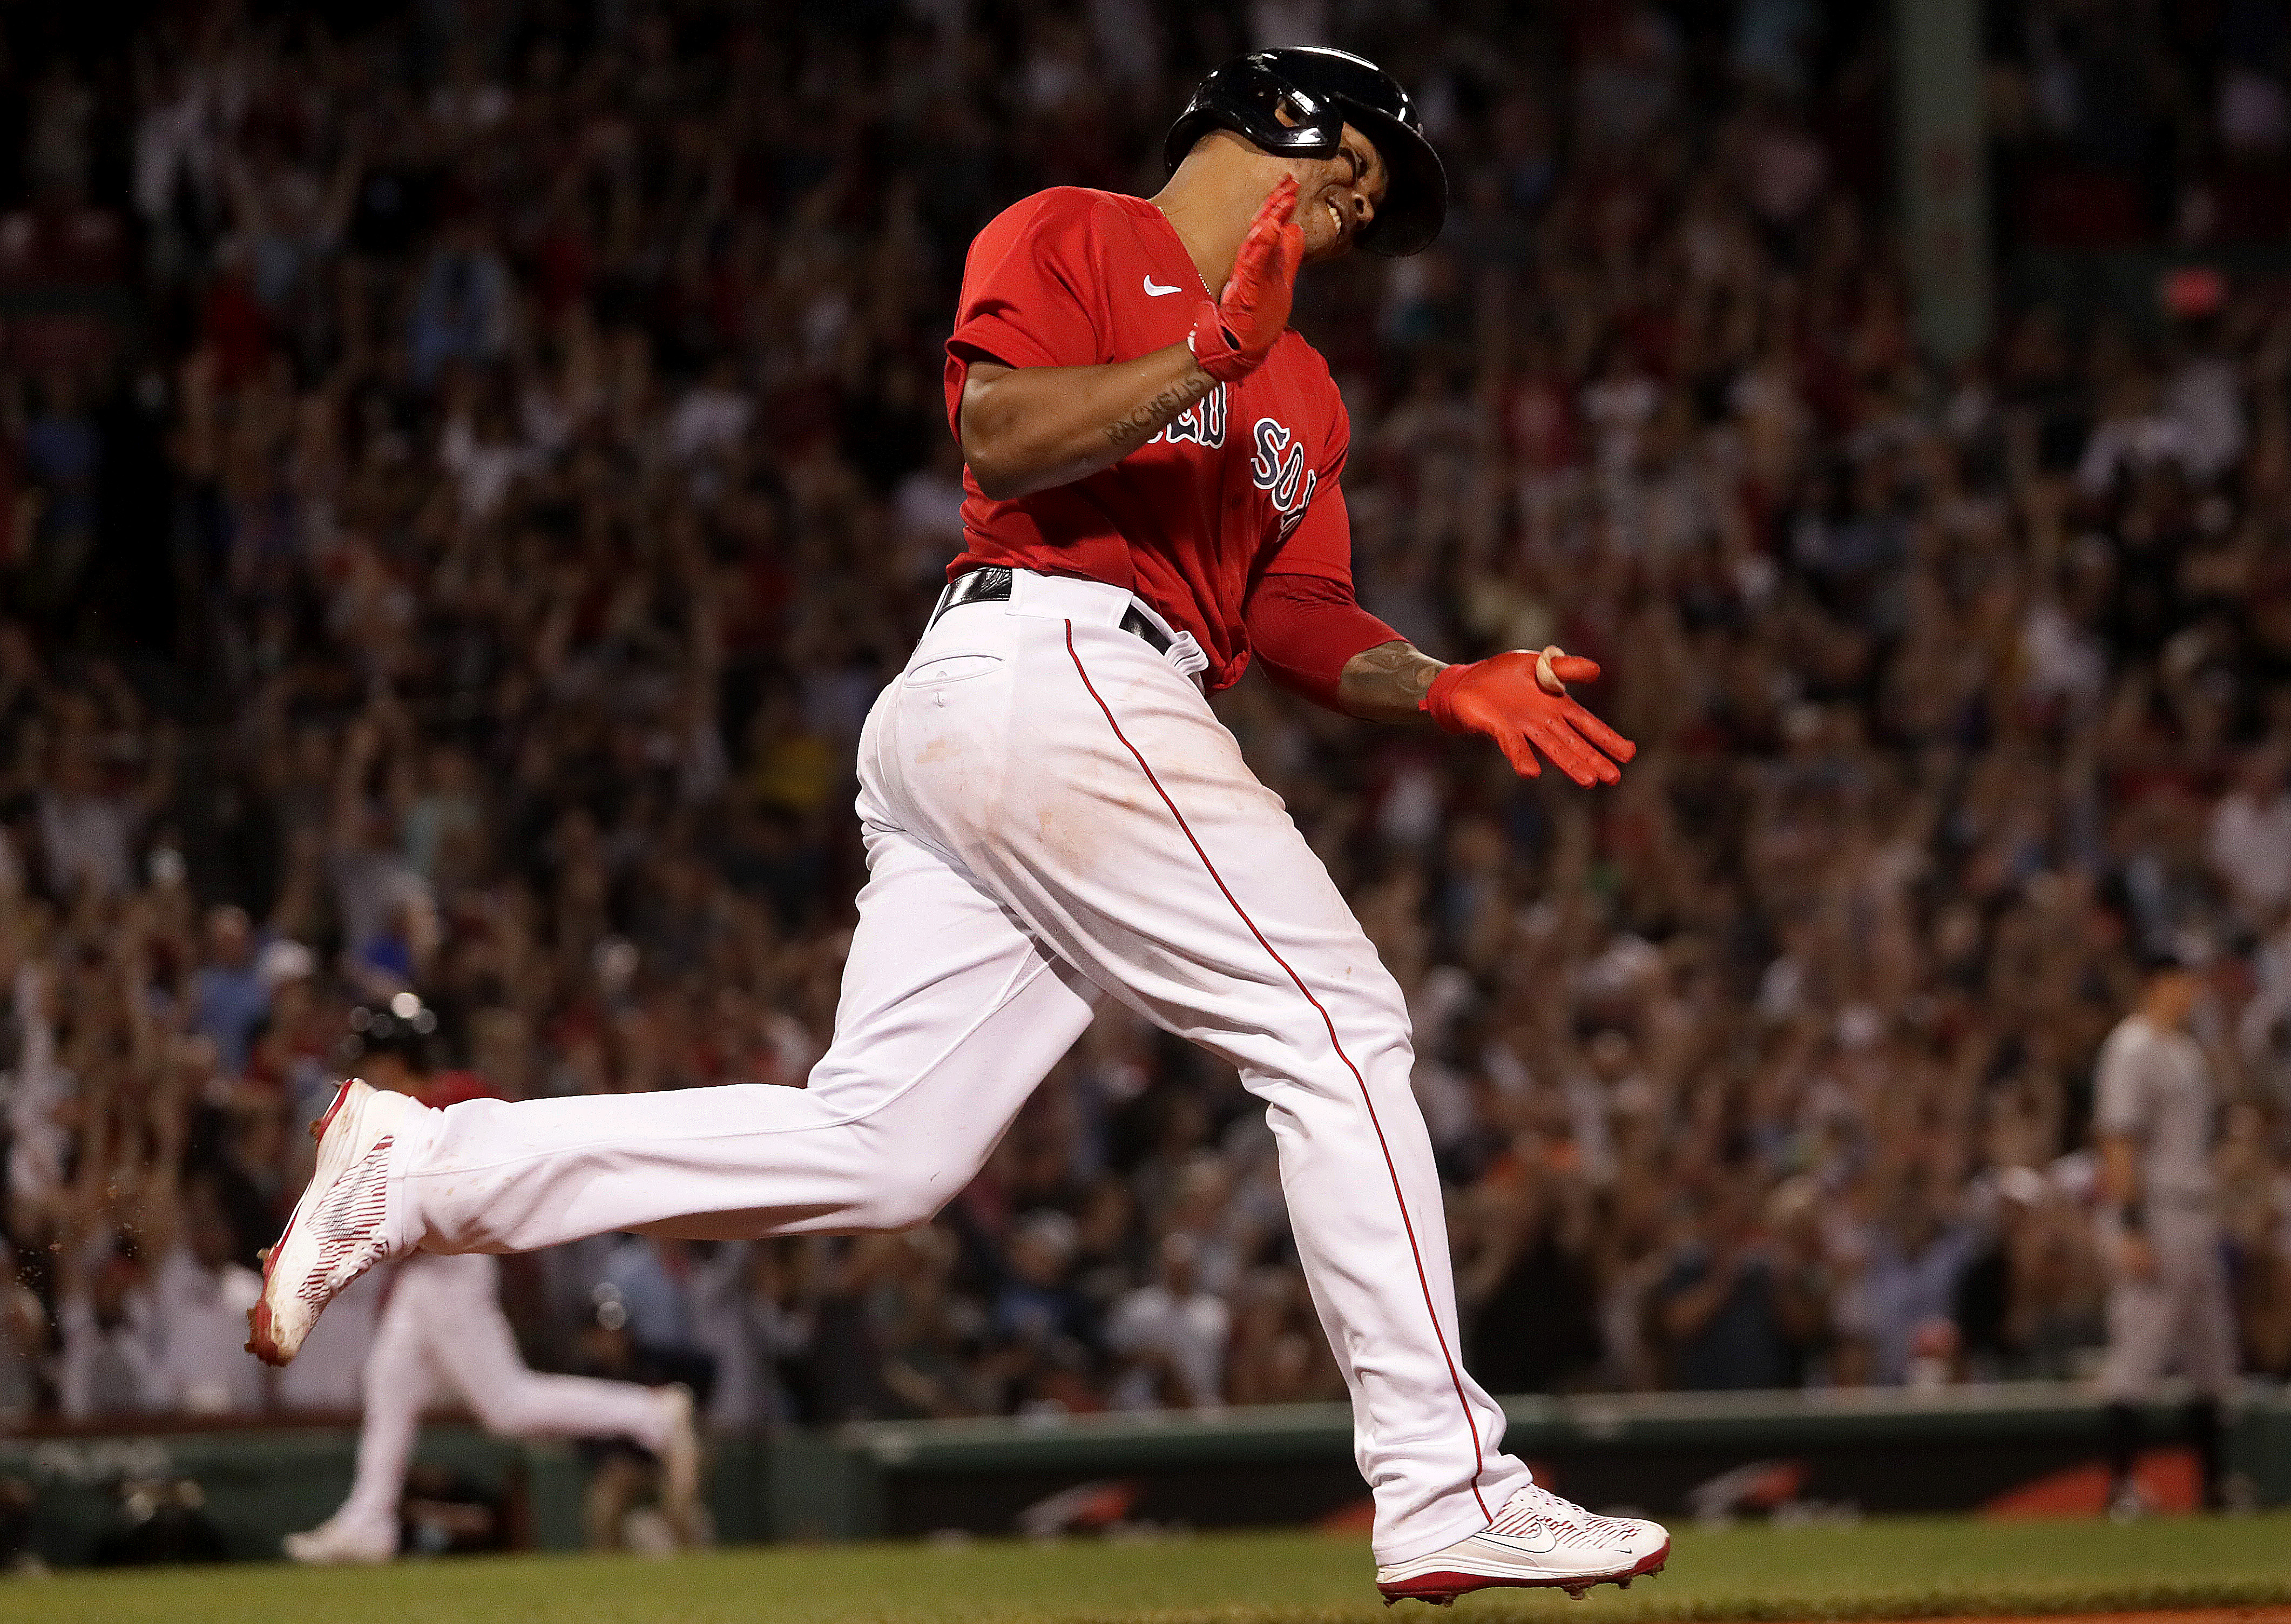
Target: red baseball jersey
x: 1243, y: 484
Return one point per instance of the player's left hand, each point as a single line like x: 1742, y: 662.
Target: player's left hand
x: 1520, y: 700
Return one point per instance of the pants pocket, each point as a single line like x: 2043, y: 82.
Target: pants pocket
x: 953, y: 668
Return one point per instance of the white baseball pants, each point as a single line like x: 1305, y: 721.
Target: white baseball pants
x: 1051, y: 810
x: 443, y: 1332
x: 2184, y: 1316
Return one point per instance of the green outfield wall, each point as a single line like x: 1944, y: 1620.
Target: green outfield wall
x: 2025, y: 1449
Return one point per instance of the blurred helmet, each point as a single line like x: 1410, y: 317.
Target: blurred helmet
x: 282, y: 962
x: 399, y: 1026
x: 2163, y: 955
x: 1296, y: 101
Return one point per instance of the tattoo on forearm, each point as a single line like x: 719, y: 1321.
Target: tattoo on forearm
x: 1386, y: 683
x: 1128, y: 429
x: 1391, y: 671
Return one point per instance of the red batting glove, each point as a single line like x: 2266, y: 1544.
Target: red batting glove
x: 1517, y: 700
x: 1232, y: 337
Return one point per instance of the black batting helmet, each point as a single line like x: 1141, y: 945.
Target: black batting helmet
x: 401, y: 1026
x: 1296, y: 101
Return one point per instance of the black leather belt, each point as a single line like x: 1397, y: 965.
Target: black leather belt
x: 992, y: 585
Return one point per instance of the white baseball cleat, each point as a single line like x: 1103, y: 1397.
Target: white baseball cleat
x: 680, y: 1468
x: 335, y: 1543
x: 1538, y: 1539
x: 335, y: 1232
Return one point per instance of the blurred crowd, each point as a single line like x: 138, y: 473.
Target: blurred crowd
x: 2122, y: 124
x: 461, y: 572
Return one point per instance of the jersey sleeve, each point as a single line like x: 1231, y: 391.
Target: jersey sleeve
x: 1025, y: 290
x: 2119, y: 1092
x: 1306, y: 629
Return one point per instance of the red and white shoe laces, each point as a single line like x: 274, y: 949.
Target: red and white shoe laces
x: 1537, y: 1539
x: 335, y: 1234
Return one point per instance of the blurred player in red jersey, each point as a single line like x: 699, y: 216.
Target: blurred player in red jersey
x: 442, y: 1331
x: 1053, y: 814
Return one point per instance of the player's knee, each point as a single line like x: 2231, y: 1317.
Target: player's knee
x: 497, y: 1418
x: 1374, y: 1048
x: 895, y: 1179
x: 1384, y: 1006
x: 512, y: 1413
x: 904, y: 1206
x: 907, y: 1191
x: 1367, y: 1007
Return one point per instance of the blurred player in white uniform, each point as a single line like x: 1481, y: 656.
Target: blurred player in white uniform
x: 442, y: 1333
x: 2155, y: 1118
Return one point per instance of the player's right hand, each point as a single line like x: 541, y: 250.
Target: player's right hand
x: 1520, y: 700
x: 1233, y: 336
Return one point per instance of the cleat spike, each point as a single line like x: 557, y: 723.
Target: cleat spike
x: 1622, y: 1583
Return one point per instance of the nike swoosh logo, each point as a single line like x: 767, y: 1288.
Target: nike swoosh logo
x: 1154, y: 290
x: 1542, y: 1542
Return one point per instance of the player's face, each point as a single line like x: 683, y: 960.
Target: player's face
x: 1337, y: 196
x: 2172, y: 996
x: 389, y: 1071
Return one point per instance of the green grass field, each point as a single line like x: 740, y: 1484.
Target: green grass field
x: 1899, y: 1568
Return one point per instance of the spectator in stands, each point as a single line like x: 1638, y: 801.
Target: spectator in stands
x: 108, y: 1366
x: 228, y: 997
x: 1534, y: 1289
x: 1917, y: 1263
x: 1718, y: 1307
x: 23, y: 1346
x: 2249, y: 838
x: 199, y: 1299
x: 1037, y: 1303
x: 649, y: 1282
x: 1172, y: 1333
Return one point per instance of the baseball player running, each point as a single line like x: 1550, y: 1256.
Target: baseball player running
x: 442, y: 1330
x: 2156, y: 1115
x: 1053, y: 814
